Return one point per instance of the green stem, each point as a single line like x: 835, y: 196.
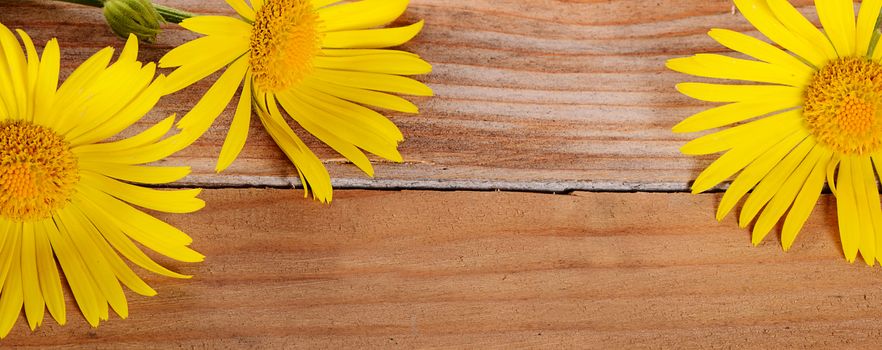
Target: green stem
x: 877, y: 31
x: 169, y: 14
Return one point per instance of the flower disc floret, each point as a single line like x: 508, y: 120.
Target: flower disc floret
x: 842, y: 105
x: 38, y: 171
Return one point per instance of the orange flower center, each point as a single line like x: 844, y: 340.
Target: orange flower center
x: 284, y: 40
x: 842, y: 105
x: 38, y: 171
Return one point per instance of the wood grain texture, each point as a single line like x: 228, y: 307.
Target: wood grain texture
x: 489, y: 270
x: 531, y: 95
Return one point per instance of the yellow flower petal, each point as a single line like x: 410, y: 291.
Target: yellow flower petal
x: 737, y: 93
x: 8, y: 99
x: 374, y: 81
x: 145, y: 154
x: 145, y: 229
x: 837, y: 16
x: 782, y: 124
x: 846, y: 208
x: 169, y: 201
x: 33, y: 63
x: 364, y: 52
x: 361, y: 14
x: 369, y: 136
x: 242, y: 8
x: 805, y: 201
x: 117, y: 238
x: 312, y: 173
x: 83, y: 224
x: 730, y: 163
x: 214, y: 53
x: 47, y: 272
x: 760, y: 15
x: 860, y: 179
x: 102, y: 99
x: 33, y: 304
x: 218, y: 26
x: 69, y: 92
x: 797, y: 24
x: 366, y: 97
x: 78, y: 278
x: 760, y: 50
x: 137, y: 107
x: 47, y: 83
x: 129, y: 52
x: 733, y: 113
x: 322, y: 3
x: 238, y: 132
x: 11, y: 56
x: 784, y: 196
x: 866, y: 24
x: 388, y: 64
x: 372, y: 38
x: 770, y: 184
x: 11, y: 298
x: 874, y: 205
x: 107, y: 287
x: 153, y: 175
x: 723, y: 67
x: 361, y: 117
x: 98, y: 151
x: 10, y: 242
x: 203, y: 115
x: 314, y: 126
x: 756, y: 171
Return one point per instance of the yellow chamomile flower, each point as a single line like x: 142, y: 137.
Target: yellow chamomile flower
x: 811, y: 114
x: 321, y: 61
x: 66, y: 193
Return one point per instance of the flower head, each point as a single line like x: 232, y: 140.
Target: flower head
x: 321, y: 61
x: 138, y: 17
x: 813, y: 113
x: 68, y: 194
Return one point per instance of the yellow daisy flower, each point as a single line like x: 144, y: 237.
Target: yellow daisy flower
x: 815, y: 115
x: 320, y: 61
x: 66, y: 197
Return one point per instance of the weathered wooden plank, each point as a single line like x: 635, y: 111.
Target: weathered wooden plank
x: 489, y: 270
x: 537, y: 95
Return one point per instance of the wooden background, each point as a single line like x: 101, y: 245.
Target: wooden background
x: 565, y: 108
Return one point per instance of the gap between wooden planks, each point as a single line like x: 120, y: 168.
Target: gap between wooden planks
x: 488, y: 270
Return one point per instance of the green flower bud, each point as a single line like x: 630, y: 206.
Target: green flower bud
x: 137, y: 17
